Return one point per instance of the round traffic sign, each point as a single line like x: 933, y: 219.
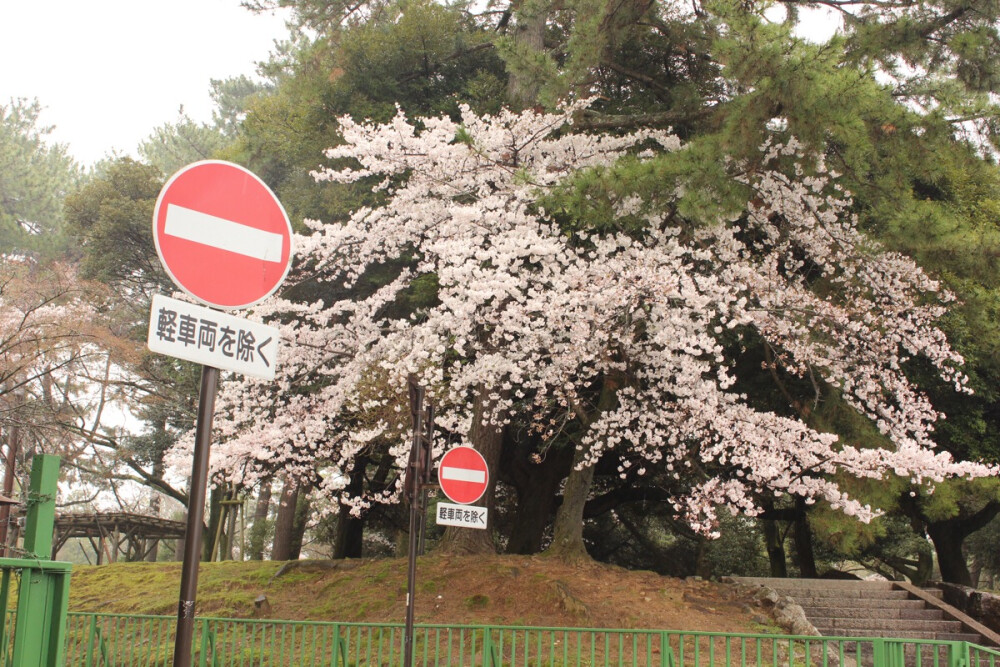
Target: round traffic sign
x: 222, y: 235
x: 463, y: 475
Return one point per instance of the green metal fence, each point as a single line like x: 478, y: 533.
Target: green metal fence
x: 979, y: 655
x: 105, y: 640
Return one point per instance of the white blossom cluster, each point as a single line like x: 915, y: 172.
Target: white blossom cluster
x: 538, y: 317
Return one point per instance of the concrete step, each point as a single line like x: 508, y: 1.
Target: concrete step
x: 928, y: 628
x: 827, y: 584
x: 893, y: 604
x: 971, y: 637
x: 851, y: 608
x: 805, y: 593
x: 897, y: 634
x: 912, y: 614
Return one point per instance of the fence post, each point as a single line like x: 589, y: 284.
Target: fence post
x: 666, y: 653
x: 42, y: 601
x: 895, y: 653
x: 91, y: 636
x: 489, y: 651
x: 203, y: 657
x: 213, y: 646
x: 958, y: 654
x: 887, y: 653
x: 339, y: 656
x: 878, y: 652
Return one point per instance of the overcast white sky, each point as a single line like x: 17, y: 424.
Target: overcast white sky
x: 109, y: 71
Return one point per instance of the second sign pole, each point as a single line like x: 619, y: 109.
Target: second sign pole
x: 415, y: 483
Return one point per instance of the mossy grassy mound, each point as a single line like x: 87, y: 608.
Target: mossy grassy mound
x: 502, y: 590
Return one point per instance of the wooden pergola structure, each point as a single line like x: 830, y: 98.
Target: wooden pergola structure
x: 117, y: 535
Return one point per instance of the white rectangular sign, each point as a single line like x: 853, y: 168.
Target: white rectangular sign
x: 205, y: 336
x: 464, y: 516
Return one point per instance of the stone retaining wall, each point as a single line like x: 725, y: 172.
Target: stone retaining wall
x: 980, y: 605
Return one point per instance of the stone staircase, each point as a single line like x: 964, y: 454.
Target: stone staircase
x: 843, y: 608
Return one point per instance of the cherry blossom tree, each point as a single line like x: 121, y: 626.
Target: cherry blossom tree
x: 47, y: 322
x: 619, y: 330
x: 56, y: 346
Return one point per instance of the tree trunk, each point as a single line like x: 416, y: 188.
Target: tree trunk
x: 702, y: 567
x: 976, y: 572
x: 10, y: 472
x: 348, y: 537
x: 284, y: 523
x: 537, y: 490
x: 947, y: 538
x: 27, y: 447
x: 154, y: 506
x: 775, y: 546
x: 925, y: 568
x: 302, y: 507
x: 229, y: 540
x: 258, y: 533
x: 802, y: 535
x: 208, y: 546
x: 567, y: 532
x: 488, y: 441
x: 529, y: 35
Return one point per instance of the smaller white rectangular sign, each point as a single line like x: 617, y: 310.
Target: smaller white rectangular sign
x: 464, y: 516
x: 205, y: 336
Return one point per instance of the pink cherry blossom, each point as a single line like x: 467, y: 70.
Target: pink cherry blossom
x: 537, y: 314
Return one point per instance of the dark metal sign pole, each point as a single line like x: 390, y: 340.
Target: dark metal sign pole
x: 411, y: 578
x: 423, y: 522
x: 415, y: 485
x: 195, y: 518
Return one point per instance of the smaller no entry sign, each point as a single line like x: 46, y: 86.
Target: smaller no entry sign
x: 463, y: 475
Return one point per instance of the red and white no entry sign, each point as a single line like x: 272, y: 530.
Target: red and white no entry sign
x: 463, y: 475
x: 222, y: 235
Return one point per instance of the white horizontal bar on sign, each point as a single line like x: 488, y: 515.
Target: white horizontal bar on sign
x: 463, y: 474
x: 210, y: 230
